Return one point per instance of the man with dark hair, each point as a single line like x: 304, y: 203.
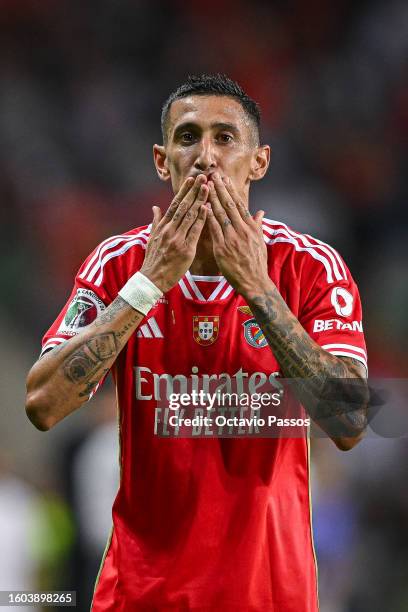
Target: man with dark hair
x: 214, y: 85
x: 206, y: 295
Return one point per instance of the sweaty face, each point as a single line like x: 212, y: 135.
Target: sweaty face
x: 208, y: 134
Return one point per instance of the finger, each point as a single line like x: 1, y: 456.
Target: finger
x: 188, y: 200
x: 178, y: 199
x: 242, y: 209
x: 196, y: 228
x: 227, y: 202
x: 157, y: 215
x: 259, y: 218
x: 215, y: 229
x: 191, y: 214
x: 219, y: 213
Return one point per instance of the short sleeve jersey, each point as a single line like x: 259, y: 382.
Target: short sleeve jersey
x: 210, y: 523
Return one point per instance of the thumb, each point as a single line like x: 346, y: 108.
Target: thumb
x: 157, y: 215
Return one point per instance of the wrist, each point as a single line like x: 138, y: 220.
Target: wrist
x: 159, y: 280
x: 140, y: 293
x: 255, y: 288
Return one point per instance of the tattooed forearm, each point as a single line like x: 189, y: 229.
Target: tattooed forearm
x: 62, y: 380
x: 111, y: 312
x: 87, y: 364
x: 88, y: 360
x: 91, y: 384
x: 297, y: 354
x: 301, y: 358
x: 122, y: 332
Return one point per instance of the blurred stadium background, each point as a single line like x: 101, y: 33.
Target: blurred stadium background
x: 81, y: 86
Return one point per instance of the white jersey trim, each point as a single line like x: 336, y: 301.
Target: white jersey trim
x: 333, y: 254
x: 116, y: 253
x: 184, y: 289
x: 347, y: 350
x: 335, y: 269
x: 333, y: 251
x: 193, y: 286
x: 227, y: 292
x: 99, y: 260
x: 218, y: 288
x: 103, y: 247
x: 349, y: 354
x: 345, y: 346
x: 51, y: 343
x: 209, y: 279
x: 191, y: 291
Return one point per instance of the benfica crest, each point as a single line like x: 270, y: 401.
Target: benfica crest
x: 205, y: 329
x: 253, y: 334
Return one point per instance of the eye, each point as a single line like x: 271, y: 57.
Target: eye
x: 186, y: 137
x: 225, y: 138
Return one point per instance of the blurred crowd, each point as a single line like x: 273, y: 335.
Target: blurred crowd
x: 81, y: 88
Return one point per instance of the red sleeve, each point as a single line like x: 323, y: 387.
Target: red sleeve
x: 332, y: 314
x: 84, y: 304
x: 97, y: 283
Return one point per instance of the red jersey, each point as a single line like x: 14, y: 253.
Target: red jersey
x: 210, y: 523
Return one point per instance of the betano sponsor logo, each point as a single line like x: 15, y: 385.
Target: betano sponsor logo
x: 325, y: 325
x: 150, y: 385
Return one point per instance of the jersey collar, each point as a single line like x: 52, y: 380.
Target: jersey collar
x: 222, y: 289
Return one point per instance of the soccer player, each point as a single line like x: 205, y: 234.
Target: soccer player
x: 206, y: 292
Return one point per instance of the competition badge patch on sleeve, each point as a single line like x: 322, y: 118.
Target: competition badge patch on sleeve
x: 82, y: 310
x: 205, y: 329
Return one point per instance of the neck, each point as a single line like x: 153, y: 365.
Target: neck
x: 204, y: 263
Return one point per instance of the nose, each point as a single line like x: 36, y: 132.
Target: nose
x: 205, y: 160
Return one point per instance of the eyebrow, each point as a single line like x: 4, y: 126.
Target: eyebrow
x: 229, y: 127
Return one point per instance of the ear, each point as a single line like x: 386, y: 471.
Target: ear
x: 160, y: 161
x: 260, y: 162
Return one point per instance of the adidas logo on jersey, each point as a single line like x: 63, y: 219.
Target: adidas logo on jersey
x: 150, y: 329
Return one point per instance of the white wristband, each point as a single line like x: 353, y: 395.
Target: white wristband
x: 140, y: 293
